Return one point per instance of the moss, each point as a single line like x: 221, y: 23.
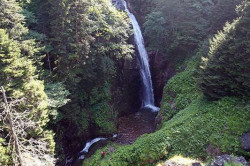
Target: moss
x: 180, y: 91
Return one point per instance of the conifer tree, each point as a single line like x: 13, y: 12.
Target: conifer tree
x: 17, y: 75
x: 19, y: 53
x: 13, y: 21
x: 225, y: 71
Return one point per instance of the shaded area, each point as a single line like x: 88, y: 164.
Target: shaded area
x: 132, y: 126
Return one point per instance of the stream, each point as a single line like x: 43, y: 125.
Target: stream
x: 130, y: 127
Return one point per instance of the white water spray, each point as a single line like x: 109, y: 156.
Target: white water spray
x: 88, y: 145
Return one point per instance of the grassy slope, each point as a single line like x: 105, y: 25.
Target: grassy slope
x: 187, y: 129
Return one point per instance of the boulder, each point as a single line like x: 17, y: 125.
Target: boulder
x: 245, y: 141
x: 118, y: 4
x: 221, y: 160
x: 181, y: 161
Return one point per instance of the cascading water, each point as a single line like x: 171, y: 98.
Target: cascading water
x: 147, y: 87
x: 82, y: 154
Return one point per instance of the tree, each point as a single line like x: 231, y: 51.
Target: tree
x: 223, y: 11
x: 88, y: 38
x: 175, y: 29
x: 17, y: 75
x: 24, y: 151
x: 225, y: 71
x: 14, y: 22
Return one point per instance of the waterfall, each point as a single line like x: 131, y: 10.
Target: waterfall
x: 147, y: 87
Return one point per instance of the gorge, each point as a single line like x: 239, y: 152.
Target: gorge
x: 124, y: 82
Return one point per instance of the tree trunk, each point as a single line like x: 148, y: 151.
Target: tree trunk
x: 12, y: 129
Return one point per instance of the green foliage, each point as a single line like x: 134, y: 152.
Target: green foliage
x: 148, y: 147
x: 188, y: 128
x: 105, y: 118
x: 224, y: 11
x: 188, y: 133
x: 225, y: 71
x: 13, y: 21
x: 19, y: 79
x: 233, y: 164
x: 181, y: 90
x: 57, y: 97
x: 20, y: 60
x: 87, y: 39
x: 4, y: 153
x: 175, y: 28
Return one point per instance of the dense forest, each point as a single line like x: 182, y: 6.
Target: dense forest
x: 73, y: 82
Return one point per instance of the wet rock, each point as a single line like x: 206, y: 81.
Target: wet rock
x: 221, y: 160
x: 161, y: 71
x: 245, y: 141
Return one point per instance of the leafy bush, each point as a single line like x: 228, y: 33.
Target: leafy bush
x: 180, y: 91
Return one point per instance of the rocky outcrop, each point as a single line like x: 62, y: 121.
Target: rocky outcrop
x: 181, y: 161
x: 245, y: 141
x: 118, y: 4
x: 162, y: 70
x: 173, y: 163
x: 221, y: 160
x: 125, y: 90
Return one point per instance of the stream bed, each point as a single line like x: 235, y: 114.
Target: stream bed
x: 130, y: 127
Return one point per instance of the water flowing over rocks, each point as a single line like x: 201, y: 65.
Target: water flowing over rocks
x: 147, y: 94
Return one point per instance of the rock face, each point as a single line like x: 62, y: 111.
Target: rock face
x: 118, y: 4
x: 125, y: 90
x: 221, y: 160
x: 161, y: 71
x: 245, y: 141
